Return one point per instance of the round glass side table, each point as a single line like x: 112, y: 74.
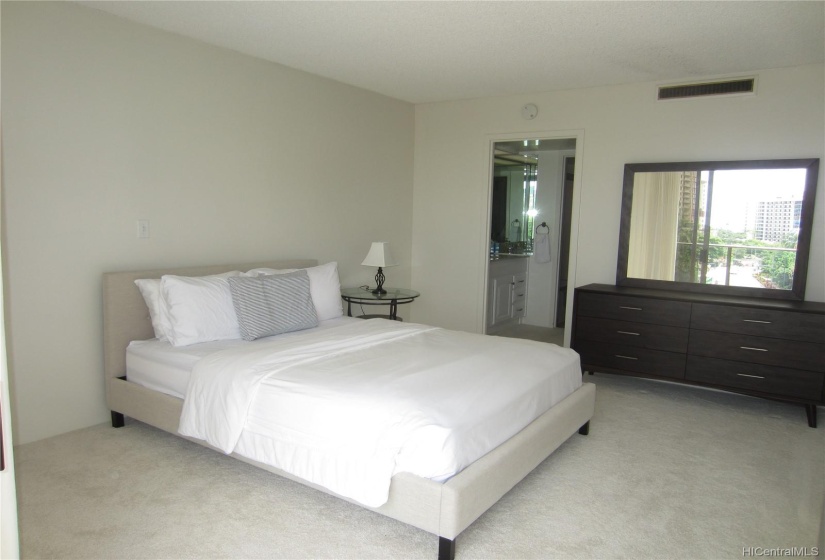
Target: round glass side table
x: 393, y: 298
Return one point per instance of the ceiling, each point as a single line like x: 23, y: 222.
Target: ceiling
x: 429, y: 51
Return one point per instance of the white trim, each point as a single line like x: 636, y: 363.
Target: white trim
x: 9, y: 534
x: 574, y: 238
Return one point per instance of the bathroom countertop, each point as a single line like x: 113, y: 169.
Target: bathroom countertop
x: 513, y: 256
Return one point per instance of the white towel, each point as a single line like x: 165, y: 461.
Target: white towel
x: 541, y: 247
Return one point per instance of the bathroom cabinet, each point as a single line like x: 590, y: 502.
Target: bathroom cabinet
x: 507, y: 291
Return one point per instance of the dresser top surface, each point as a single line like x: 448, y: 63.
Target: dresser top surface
x: 673, y: 295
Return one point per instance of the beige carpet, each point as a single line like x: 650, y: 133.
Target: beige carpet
x: 666, y: 472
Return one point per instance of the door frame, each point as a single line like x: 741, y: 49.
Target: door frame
x: 492, y: 139
x: 562, y: 205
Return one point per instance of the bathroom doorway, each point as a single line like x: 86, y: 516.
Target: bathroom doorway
x: 532, y: 183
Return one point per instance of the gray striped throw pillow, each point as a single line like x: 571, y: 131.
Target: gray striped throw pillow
x: 270, y: 305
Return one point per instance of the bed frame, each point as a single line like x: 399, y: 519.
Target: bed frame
x: 444, y: 509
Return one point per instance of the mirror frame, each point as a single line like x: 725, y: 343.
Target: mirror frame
x: 797, y: 292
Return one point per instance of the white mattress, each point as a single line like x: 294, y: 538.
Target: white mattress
x: 162, y: 367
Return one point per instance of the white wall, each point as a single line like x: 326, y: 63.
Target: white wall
x: 231, y: 158
x: 615, y: 125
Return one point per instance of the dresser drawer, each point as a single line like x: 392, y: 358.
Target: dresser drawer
x: 756, y: 377
x: 630, y: 359
x: 644, y: 335
x: 806, y: 327
x: 638, y: 310
x: 758, y: 350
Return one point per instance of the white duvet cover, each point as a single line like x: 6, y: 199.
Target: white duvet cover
x: 346, y: 408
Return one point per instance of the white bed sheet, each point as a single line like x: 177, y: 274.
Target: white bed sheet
x: 159, y: 366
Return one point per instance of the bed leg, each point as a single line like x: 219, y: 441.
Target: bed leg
x: 118, y: 420
x: 810, y: 410
x: 585, y: 429
x: 446, y: 548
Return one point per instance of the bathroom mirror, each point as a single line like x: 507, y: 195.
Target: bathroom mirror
x: 730, y: 227
x: 515, y: 179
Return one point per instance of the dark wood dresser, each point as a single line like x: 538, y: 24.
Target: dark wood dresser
x: 761, y: 347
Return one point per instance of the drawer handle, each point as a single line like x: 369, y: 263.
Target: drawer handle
x: 755, y: 321
x: 631, y: 308
x: 748, y: 375
x: 628, y: 332
x: 755, y: 349
x: 626, y: 357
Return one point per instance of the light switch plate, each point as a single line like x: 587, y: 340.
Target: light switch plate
x: 143, y: 229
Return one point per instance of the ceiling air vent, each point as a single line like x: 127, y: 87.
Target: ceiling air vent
x: 728, y: 87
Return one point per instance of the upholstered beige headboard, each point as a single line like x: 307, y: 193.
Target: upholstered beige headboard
x: 126, y: 317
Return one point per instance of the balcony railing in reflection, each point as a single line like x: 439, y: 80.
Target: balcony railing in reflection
x: 701, y: 257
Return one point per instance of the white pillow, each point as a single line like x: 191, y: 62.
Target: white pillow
x: 267, y: 271
x: 324, y: 286
x: 150, y: 290
x: 199, y: 309
x: 326, y: 291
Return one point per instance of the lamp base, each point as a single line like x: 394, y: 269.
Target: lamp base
x: 379, y: 282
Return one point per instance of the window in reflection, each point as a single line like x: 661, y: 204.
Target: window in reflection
x: 734, y: 227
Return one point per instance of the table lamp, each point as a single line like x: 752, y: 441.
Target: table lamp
x: 380, y: 256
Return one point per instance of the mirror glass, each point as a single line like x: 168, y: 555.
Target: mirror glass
x: 515, y: 179
x: 719, y: 227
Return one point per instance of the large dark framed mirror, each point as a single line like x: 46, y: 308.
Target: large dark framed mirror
x: 723, y: 227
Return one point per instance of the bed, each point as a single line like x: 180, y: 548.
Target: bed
x: 442, y: 507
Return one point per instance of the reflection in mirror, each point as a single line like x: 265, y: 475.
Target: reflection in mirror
x: 515, y: 179
x: 723, y: 227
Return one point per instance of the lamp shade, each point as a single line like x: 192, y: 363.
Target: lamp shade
x: 379, y: 255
